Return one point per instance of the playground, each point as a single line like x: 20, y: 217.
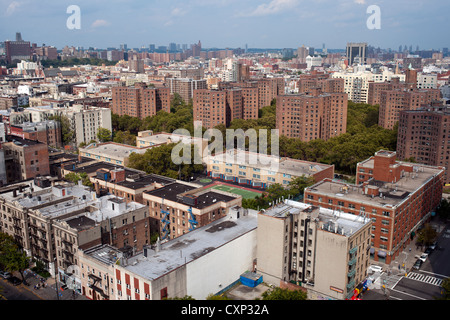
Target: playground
x: 246, y: 193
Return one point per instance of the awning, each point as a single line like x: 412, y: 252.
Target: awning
x: 372, y: 250
x: 382, y: 254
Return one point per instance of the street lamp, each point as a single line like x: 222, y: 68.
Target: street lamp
x: 56, y: 280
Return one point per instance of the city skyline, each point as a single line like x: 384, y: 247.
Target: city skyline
x: 227, y: 23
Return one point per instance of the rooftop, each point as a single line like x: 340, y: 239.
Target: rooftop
x: 342, y: 223
x: 190, y: 246
x: 204, y: 199
x: 270, y: 162
x: 104, y: 253
x: 113, y: 150
x: 390, y: 194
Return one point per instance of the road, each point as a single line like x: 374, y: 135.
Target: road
x: 422, y: 284
x: 20, y: 292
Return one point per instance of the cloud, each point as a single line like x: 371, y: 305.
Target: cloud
x: 273, y: 7
x: 12, y: 8
x: 100, y: 23
x: 360, y: 1
x: 178, y: 12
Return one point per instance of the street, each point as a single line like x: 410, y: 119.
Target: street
x: 412, y: 284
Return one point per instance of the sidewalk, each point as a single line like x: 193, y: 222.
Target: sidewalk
x: 50, y: 292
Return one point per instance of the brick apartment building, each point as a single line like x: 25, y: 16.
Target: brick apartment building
x: 399, y: 197
x: 140, y: 101
x: 7, y: 102
x: 268, y: 88
x: 25, y: 159
x: 312, y: 116
x: 325, y: 84
x: 423, y: 135
x: 393, y: 101
x: 185, y: 87
x: 48, y: 132
x: 214, y: 107
x: 180, y: 208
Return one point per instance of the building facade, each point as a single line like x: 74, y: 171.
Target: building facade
x: 179, y: 208
x: 399, y: 197
x: 312, y: 116
x: 324, y: 252
x: 423, y: 136
x: 140, y: 101
x: 267, y: 170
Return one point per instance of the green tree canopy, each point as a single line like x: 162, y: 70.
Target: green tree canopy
x: 104, y: 135
x: 284, y: 294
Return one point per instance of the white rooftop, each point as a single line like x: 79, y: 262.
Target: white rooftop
x: 190, y: 246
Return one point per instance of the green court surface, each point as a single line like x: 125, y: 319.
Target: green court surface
x: 246, y: 194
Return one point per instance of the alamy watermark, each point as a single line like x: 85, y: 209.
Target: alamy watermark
x: 374, y: 20
x: 256, y: 152
x: 74, y: 20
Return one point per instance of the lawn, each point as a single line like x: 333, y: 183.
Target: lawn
x: 246, y: 194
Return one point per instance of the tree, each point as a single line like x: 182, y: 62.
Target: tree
x: 427, y: 235
x: 75, y: 177
x: 67, y: 134
x: 445, y: 285
x: 12, y: 258
x: 284, y: 294
x: 125, y: 137
x: 104, y: 134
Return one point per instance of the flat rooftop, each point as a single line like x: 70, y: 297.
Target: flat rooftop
x: 190, y: 246
x: 105, y: 254
x: 391, y: 194
x: 270, y: 162
x: 347, y: 224
x: 113, y: 150
x: 205, y: 199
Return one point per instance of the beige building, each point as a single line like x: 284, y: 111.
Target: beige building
x: 260, y: 170
x: 52, y: 222
x: 146, y: 139
x: 111, y: 152
x: 324, y: 251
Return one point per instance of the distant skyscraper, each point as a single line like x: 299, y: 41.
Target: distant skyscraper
x: 356, y: 50
x: 17, y: 50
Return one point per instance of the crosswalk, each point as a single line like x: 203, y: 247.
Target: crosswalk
x: 424, y: 278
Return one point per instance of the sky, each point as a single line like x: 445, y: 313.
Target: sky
x: 228, y: 23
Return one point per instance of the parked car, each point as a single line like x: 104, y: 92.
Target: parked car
x: 428, y: 250
x: 375, y: 268
x: 5, y: 274
x: 433, y: 245
x: 418, y: 264
x: 14, y: 280
x: 423, y: 257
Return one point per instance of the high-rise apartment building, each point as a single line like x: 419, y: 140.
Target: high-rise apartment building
x: 213, y: 107
x: 140, y: 101
x: 423, y: 135
x: 398, y: 197
x: 356, y: 84
x: 312, y: 116
x: 323, y: 251
x: 185, y: 87
x: 25, y: 159
x: 356, y: 51
x: 17, y: 50
x: 393, y: 101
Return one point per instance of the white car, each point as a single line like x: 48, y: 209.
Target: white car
x: 424, y: 257
x: 375, y: 268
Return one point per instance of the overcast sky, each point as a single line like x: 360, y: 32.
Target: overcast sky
x: 228, y: 23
